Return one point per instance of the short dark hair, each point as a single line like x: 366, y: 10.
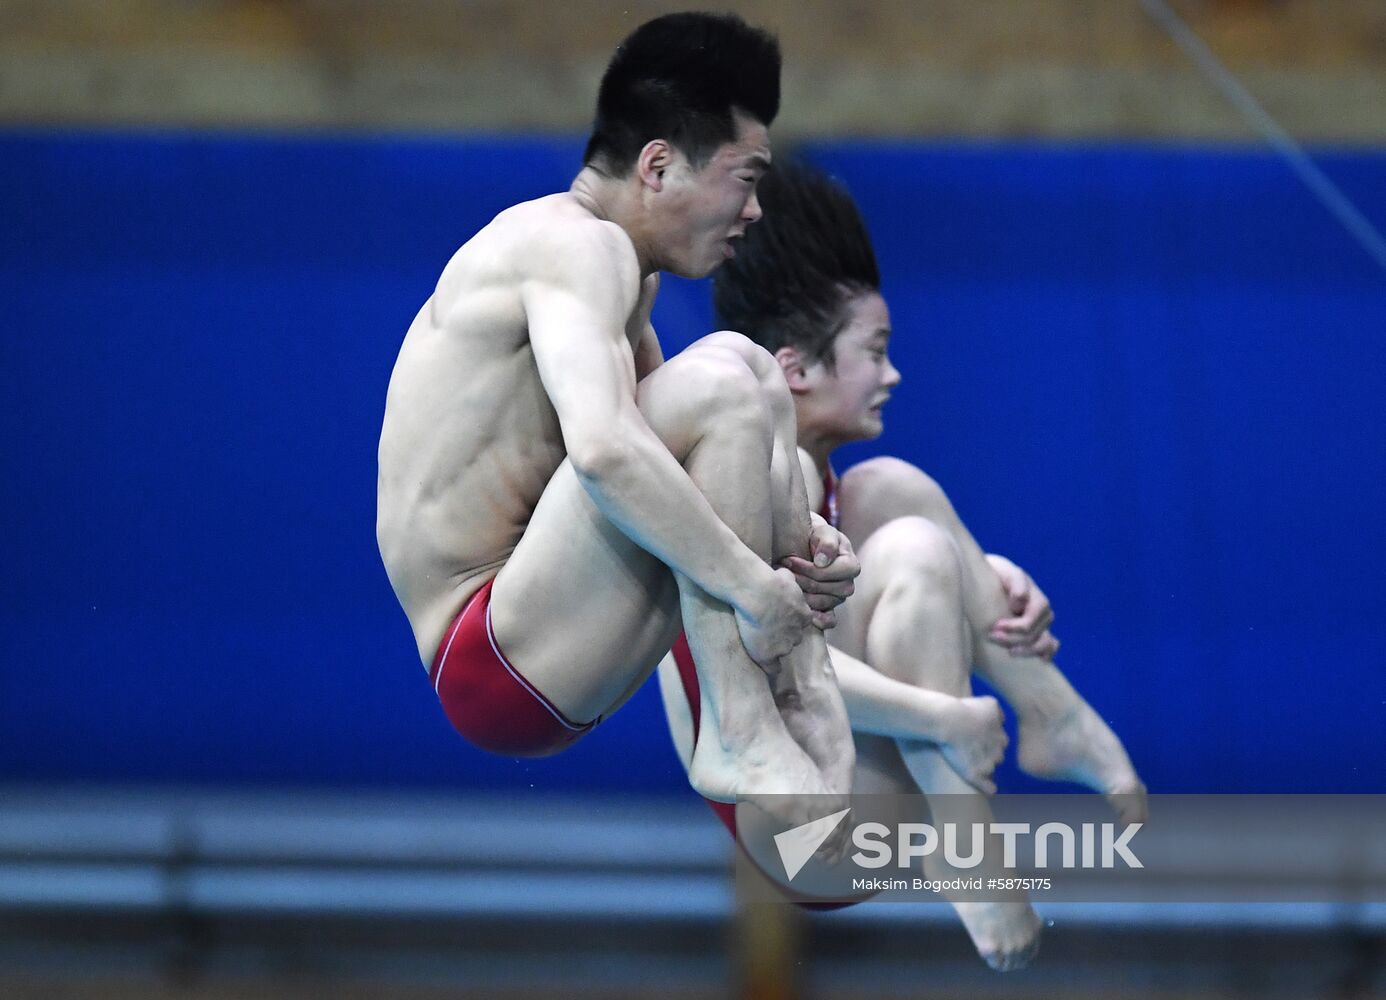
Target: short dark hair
x: 679, y: 77
x: 799, y: 266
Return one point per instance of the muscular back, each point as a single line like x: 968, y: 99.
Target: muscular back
x: 470, y: 438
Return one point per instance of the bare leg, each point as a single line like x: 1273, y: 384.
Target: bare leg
x: 906, y: 620
x: 608, y: 610
x: 1061, y: 737
x: 742, y: 464
x: 806, y: 690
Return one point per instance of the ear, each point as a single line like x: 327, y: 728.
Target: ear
x: 794, y: 368
x: 653, y: 160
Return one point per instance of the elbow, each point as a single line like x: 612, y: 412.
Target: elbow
x: 597, y: 459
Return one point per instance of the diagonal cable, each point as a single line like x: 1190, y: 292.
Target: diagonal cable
x: 1329, y: 194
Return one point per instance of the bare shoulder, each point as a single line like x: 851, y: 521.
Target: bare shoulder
x: 649, y: 288
x: 551, y: 245
x: 813, y: 480
x: 577, y: 254
x: 568, y: 246
x: 649, y: 355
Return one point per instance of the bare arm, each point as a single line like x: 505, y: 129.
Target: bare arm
x: 876, y: 703
x: 1026, y: 632
x: 967, y: 730
x: 886, y: 707
x: 582, y: 293
x: 648, y: 354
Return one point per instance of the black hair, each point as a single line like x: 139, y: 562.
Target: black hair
x: 679, y: 77
x: 799, y: 266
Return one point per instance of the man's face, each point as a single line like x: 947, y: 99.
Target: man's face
x: 846, y: 401
x: 709, y: 208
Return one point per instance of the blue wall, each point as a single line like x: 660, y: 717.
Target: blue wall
x: 1154, y: 377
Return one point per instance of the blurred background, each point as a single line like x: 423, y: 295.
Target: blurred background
x: 1133, y: 255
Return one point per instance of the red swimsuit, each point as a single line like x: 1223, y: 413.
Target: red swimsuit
x: 486, y: 699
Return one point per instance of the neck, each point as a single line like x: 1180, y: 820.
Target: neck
x: 819, y: 446
x: 615, y: 199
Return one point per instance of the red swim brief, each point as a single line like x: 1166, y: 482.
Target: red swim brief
x: 486, y: 698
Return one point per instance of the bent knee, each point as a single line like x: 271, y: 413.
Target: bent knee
x: 915, y: 547
x: 757, y: 358
x: 892, y: 484
x: 760, y: 361
x: 706, y: 382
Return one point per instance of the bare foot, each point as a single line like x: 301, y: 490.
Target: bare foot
x: 778, y: 775
x: 1074, y: 744
x: 814, y: 715
x: 1005, y: 932
x: 1006, y: 935
x: 975, y: 742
